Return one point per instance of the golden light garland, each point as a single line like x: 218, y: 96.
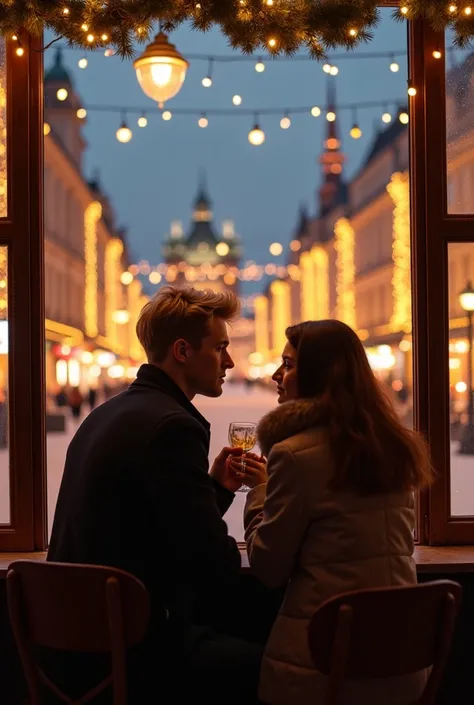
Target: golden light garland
x: 344, y: 244
x: 92, y: 215
x: 113, y: 253
x: 399, y: 191
x: 280, y: 27
x: 321, y: 281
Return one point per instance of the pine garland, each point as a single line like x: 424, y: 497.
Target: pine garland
x: 277, y: 26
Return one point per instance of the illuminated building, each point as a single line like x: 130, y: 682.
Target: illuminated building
x: 85, y: 255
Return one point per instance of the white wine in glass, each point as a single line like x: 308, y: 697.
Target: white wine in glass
x: 243, y: 435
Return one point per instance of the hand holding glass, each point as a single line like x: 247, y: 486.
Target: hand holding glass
x: 243, y: 435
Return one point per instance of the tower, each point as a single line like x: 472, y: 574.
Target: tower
x: 203, y: 258
x: 332, y: 159
x: 61, y: 106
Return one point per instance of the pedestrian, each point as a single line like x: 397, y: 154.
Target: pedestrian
x: 75, y: 401
x: 92, y: 397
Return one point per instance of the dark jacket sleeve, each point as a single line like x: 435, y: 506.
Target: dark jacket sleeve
x: 224, y: 497
x: 185, y: 496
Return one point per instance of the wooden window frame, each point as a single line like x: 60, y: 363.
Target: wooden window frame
x: 22, y: 232
x: 433, y: 228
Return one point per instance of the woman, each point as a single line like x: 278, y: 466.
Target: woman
x: 338, y: 512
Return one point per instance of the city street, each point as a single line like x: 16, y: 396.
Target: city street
x: 236, y: 404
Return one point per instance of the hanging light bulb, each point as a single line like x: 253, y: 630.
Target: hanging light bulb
x: 437, y: 54
x: 331, y: 116
x: 124, y: 133
x: 142, y: 121
x: 285, y: 122
x: 256, y: 135
x: 19, y: 51
x: 167, y: 115
x: 334, y: 71
x: 46, y: 128
x: 468, y: 10
x: 327, y: 68
x: 394, y: 66
x: 452, y: 8
x: 356, y: 132
x: 315, y: 111
x: 82, y: 63
x: 81, y: 113
x: 203, y: 121
x: 109, y: 52
x: 259, y: 66
x: 404, y: 118
x: 272, y: 43
x: 386, y: 117
x: 161, y: 69
x: 62, y: 94
x: 411, y: 91
x: 207, y: 80
x: 237, y: 100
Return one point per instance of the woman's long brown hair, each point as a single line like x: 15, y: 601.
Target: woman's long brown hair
x: 373, y: 452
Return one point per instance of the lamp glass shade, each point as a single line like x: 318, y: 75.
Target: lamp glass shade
x: 161, y: 70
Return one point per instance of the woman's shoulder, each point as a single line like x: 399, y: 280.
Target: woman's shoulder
x: 293, y: 423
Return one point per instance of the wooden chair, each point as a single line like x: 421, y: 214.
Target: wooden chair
x: 385, y: 633
x: 76, y: 608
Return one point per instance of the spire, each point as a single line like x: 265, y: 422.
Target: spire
x: 202, y: 198
x: 302, y: 220
x: 58, y: 72
x: 332, y: 159
x: 202, y: 202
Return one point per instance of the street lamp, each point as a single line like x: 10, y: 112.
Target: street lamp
x: 466, y: 299
x: 161, y: 70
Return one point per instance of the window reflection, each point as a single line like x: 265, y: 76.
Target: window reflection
x: 460, y: 132
x: 461, y: 383
x: 4, y: 361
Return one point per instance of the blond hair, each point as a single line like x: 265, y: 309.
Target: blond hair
x: 175, y: 313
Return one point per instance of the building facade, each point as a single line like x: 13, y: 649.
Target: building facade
x: 91, y: 307
x: 352, y: 261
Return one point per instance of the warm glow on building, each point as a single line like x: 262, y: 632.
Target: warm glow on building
x: 91, y: 218
x: 308, y: 290
x: 321, y: 281
x: 281, y: 313
x: 399, y: 191
x: 262, y: 343
x: 344, y: 245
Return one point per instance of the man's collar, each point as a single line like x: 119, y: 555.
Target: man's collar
x: 152, y: 376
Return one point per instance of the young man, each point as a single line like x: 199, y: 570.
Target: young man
x: 136, y: 494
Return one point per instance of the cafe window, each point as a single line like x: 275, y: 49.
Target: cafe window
x: 442, y: 256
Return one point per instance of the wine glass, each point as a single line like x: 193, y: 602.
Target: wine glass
x: 243, y: 434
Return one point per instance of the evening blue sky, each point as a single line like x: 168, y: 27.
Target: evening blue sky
x: 152, y: 180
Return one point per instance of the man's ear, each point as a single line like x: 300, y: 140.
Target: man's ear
x: 181, y: 350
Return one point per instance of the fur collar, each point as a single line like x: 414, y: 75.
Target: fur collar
x: 287, y: 420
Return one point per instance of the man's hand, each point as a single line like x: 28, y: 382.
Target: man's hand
x: 222, y: 472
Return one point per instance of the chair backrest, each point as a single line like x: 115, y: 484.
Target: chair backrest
x: 76, y: 608
x: 384, y: 633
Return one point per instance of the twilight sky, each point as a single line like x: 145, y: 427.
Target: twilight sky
x: 152, y: 180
